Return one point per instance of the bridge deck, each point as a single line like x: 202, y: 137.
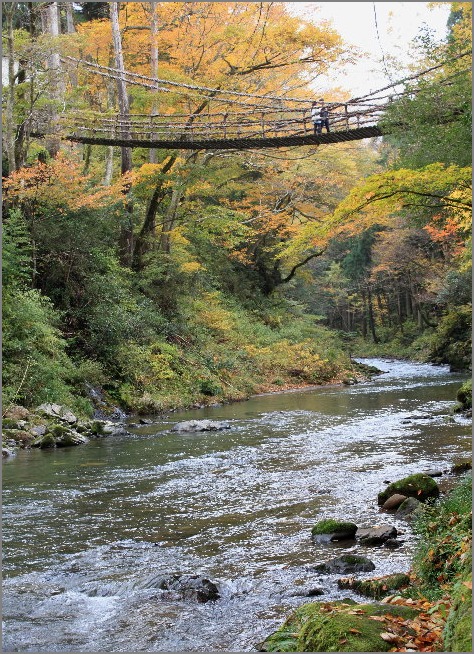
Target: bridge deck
x: 187, y: 143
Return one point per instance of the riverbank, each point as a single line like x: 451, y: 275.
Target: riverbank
x: 429, y: 610
x: 54, y: 425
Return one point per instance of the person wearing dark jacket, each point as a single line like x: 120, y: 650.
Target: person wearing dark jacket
x: 320, y: 116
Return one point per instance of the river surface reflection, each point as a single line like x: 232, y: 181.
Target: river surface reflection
x: 89, y: 530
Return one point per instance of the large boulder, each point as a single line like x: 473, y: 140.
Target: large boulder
x: 419, y: 485
x: 59, y: 435
x: 340, y: 626
x: 58, y: 412
x: 333, y: 530
x: 200, y: 425
x: 376, y: 535
x: 345, y: 564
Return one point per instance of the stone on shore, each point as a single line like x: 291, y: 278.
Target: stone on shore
x: 409, y: 509
x: 393, y: 502
x: 419, y: 485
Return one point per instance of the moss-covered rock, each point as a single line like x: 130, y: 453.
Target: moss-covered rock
x: 334, y: 627
x: 333, y: 530
x: 464, y: 396
x: 420, y: 486
x: 377, y: 587
x: 44, y: 441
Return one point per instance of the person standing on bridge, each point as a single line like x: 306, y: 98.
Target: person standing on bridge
x: 323, y: 116
x: 320, y: 116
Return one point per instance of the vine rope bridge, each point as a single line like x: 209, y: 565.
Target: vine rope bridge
x: 260, y: 121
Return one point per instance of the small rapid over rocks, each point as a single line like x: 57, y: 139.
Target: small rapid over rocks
x: 185, y: 540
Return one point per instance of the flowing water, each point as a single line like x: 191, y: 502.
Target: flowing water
x: 89, y: 531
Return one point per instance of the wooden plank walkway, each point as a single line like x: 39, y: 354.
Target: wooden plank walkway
x: 186, y: 143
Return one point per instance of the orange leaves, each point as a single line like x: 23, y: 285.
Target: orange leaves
x: 59, y: 184
x: 421, y: 633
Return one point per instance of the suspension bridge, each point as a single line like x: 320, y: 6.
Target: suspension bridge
x: 259, y: 121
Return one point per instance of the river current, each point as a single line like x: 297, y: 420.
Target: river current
x: 89, y: 531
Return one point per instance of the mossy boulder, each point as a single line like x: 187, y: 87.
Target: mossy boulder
x: 420, y: 486
x: 335, y: 627
x: 45, y: 441
x: 345, y: 564
x: 464, y: 396
x: 377, y: 587
x: 331, y: 530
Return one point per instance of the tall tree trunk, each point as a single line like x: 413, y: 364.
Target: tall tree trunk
x: 69, y: 18
x: 154, y: 66
x: 170, y: 218
x: 126, y: 232
x: 109, y: 153
x: 371, y: 315
x: 57, y: 88
x: 9, y: 9
x: 124, y: 106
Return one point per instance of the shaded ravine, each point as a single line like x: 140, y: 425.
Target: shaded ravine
x: 89, y: 531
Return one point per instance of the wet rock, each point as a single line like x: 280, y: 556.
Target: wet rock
x: 7, y: 451
x: 376, y: 535
x: 461, y: 466
x: 409, y: 508
x: 344, y: 564
x: 393, y: 502
x: 434, y: 473
x: 145, y: 421
x: 306, y: 592
x: 419, y: 485
x: 333, y: 530
x: 191, y: 587
x: 393, y: 543
x: 200, y: 425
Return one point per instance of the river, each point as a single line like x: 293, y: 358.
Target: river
x: 88, y: 531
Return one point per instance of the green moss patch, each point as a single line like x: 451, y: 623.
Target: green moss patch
x: 420, y: 486
x: 335, y: 627
x: 334, y: 528
x: 457, y: 635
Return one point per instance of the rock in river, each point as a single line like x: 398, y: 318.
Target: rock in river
x: 333, y: 530
x: 191, y: 587
x: 200, y: 425
x: 376, y: 535
x: 345, y: 564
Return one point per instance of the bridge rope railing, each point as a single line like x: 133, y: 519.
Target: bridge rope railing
x: 264, y: 116
x: 217, y: 126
